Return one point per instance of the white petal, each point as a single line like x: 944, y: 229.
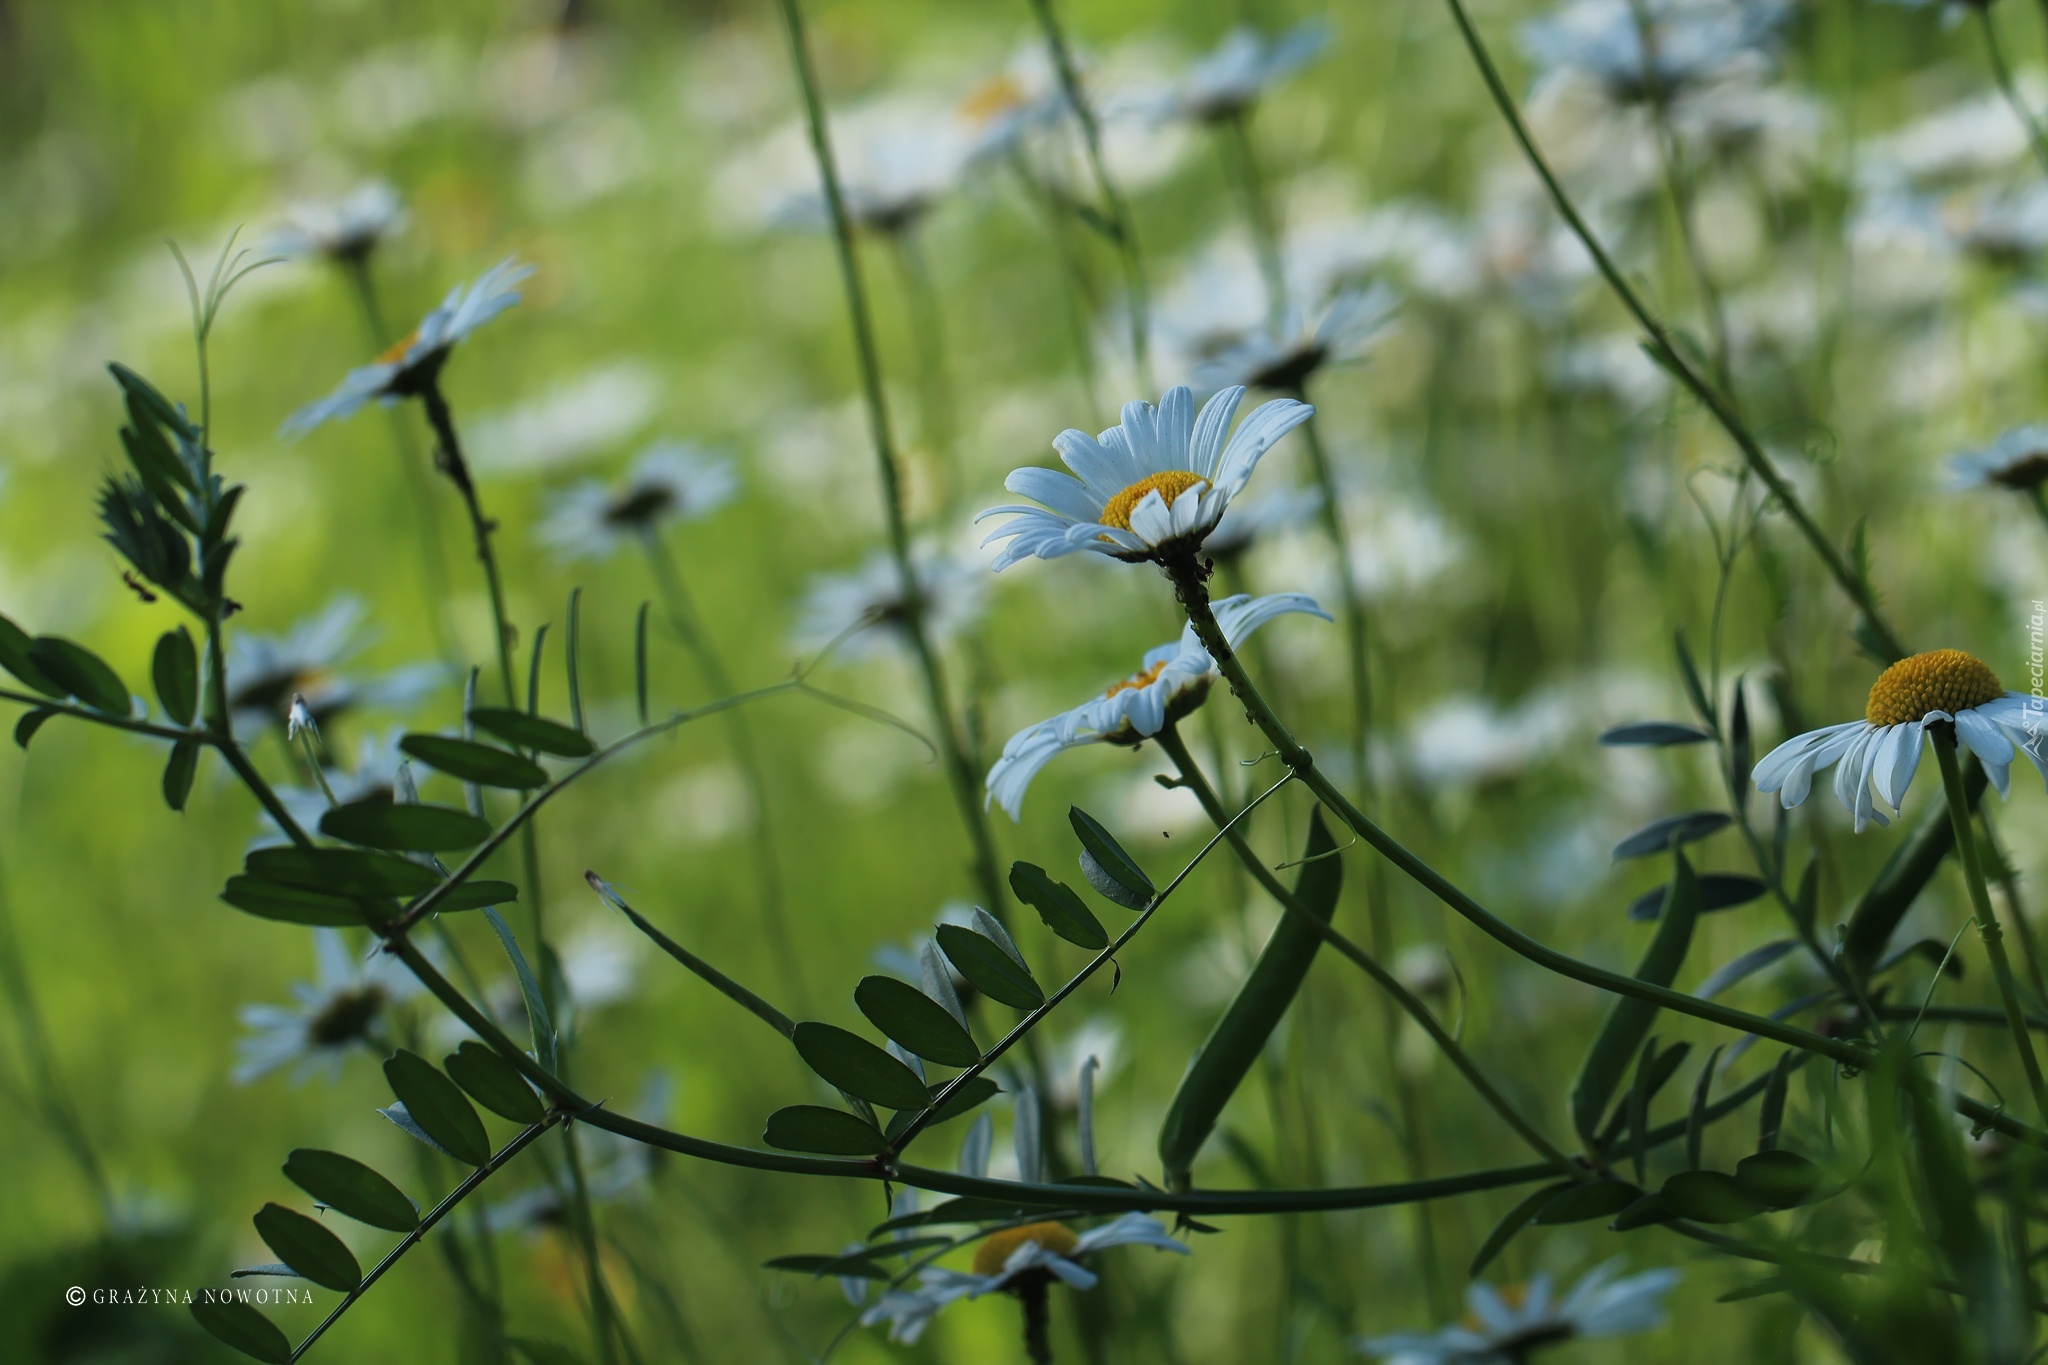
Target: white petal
x: 1205, y: 447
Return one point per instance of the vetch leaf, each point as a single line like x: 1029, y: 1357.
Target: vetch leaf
x: 539, y: 1021
x: 436, y: 1104
x: 30, y: 722
x: 483, y: 764
x: 14, y: 657
x: 405, y: 828
x: 915, y: 1021
x: 478, y: 894
x: 1749, y: 964
x: 234, y: 1323
x: 308, y: 1248
x: 855, y: 1065
x: 1660, y: 733
x: 976, y: 1092
x: 179, y: 770
x: 342, y: 871
x: 348, y: 1186
x: 1708, y: 1197
x: 1594, y: 1199
x: 814, y: 1128
x: 1629, y: 1019
x: 1110, y: 861
x: 1718, y: 891
x: 494, y: 1083
x: 80, y: 673
x: 1511, y: 1223
x: 174, y: 668
x: 1690, y: 672
x: 1059, y: 906
x: 1671, y: 832
x: 398, y: 1117
x: 858, y: 1265
x: 1777, y: 1179
x: 1645, y: 1211
x: 988, y: 968
x: 533, y: 732
x: 291, y: 904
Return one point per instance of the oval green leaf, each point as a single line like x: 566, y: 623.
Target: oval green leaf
x: 342, y: 871
x: 483, y: 764
x: 988, y: 968
x: 308, y: 1248
x: 348, y: 1186
x: 494, y: 1083
x: 858, y: 1067
x: 1708, y: 1197
x: 405, y: 828
x: 1654, y: 732
x: 976, y: 1092
x: 291, y: 904
x: 81, y: 673
x: 1595, y: 1199
x: 175, y: 670
x: 233, y: 1323
x: 1777, y: 1179
x: 179, y: 770
x: 437, y: 1105
x: 814, y: 1128
x: 1512, y: 1222
x: 916, y: 1022
x: 14, y: 657
x: 532, y: 732
x: 1059, y: 906
x: 478, y: 895
x: 1718, y: 891
x: 30, y: 722
x: 1109, y: 855
x: 1629, y: 1019
x: 1671, y: 832
x: 1645, y: 1211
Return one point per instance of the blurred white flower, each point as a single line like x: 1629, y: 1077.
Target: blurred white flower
x: 867, y: 605
x: 2018, y: 459
x: 671, y: 481
x: 1250, y: 521
x: 1504, y: 1327
x: 1689, y: 41
x: 1230, y: 79
x: 347, y: 230
x: 896, y: 158
x: 1468, y: 739
x: 1286, y: 356
x: 573, y: 419
x: 338, y: 1010
x: 266, y: 673
x: 2006, y: 227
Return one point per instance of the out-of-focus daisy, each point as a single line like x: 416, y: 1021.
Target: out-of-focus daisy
x: 896, y: 157
x: 2017, y: 460
x: 615, y: 1169
x: 1252, y: 520
x: 1286, y: 356
x: 346, y: 230
x: 1151, y: 487
x: 1691, y: 42
x: 341, y: 1008
x: 1242, y: 67
x: 671, y: 481
x: 1174, y: 680
x: 2003, y: 227
x: 375, y: 777
x: 411, y: 365
x: 266, y: 672
x: 1881, y: 752
x: 866, y: 605
x: 1507, y: 1327
x: 1023, y: 1261
x: 1017, y: 102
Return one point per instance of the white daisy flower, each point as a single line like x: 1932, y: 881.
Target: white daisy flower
x: 1149, y: 488
x: 1174, y: 680
x: 345, y: 230
x: 267, y: 673
x: 1504, y: 1328
x: 339, y: 1009
x: 1254, y: 520
x: 1692, y: 42
x: 2002, y: 227
x: 671, y: 481
x: 868, y: 602
x: 1014, y: 1260
x: 2018, y: 460
x: 410, y: 365
x: 1286, y: 356
x: 1881, y: 752
x: 1008, y: 108
x: 896, y: 157
x: 1242, y: 67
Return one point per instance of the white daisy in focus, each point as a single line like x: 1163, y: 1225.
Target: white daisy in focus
x: 266, y: 673
x: 1023, y: 1261
x: 1174, y: 681
x: 1227, y: 82
x: 867, y: 606
x: 340, y: 1009
x: 1284, y: 358
x: 347, y: 230
x: 2018, y: 460
x: 671, y: 481
x: 1506, y: 1327
x: 1881, y: 752
x: 1691, y: 42
x: 410, y: 366
x: 1150, y: 488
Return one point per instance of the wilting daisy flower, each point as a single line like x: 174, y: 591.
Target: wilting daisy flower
x: 1285, y: 357
x: 347, y: 230
x: 1022, y: 1261
x: 1149, y: 488
x: 1231, y: 78
x: 1504, y: 1328
x: 671, y: 481
x: 2017, y: 460
x: 1691, y: 42
x: 869, y: 602
x: 1174, y: 680
x: 410, y: 366
x: 339, y: 1009
x: 1882, y: 751
x: 266, y: 673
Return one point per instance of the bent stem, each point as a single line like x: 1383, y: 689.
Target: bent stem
x: 1987, y: 919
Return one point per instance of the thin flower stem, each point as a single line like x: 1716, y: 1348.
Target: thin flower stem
x: 450, y: 461
x: 1987, y: 918
x: 1241, y: 160
x: 604, y: 1325
x: 1994, y: 53
x: 65, y: 708
x: 1031, y: 1293
x: 1123, y: 227
x: 937, y: 412
x: 959, y: 764
x: 1197, y: 782
x: 1081, y: 302
x: 2008, y: 879
x: 1668, y: 354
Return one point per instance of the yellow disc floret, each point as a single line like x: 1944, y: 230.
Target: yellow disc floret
x: 395, y: 352
x: 1138, y: 680
x: 995, y: 1252
x: 1170, y: 485
x: 1939, y: 680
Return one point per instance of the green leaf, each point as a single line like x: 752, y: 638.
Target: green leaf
x: 538, y: 1020
x: 1739, y: 748
x: 1693, y: 687
x: 858, y: 1067
x: 915, y: 1021
x: 1059, y: 906
x: 291, y: 904
x: 179, y: 770
x: 1235, y: 1042
x: 988, y: 968
x: 233, y: 1323
x: 308, y: 1248
x: 405, y: 828
x: 80, y: 673
x: 1708, y: 1197
x: 976, y: 1092
x: 859, y: 1265
x: 483, y: 764
x: 494, y: 1083
x: 1904, y: 876
x: 640, y: 662
x: 532, y: 732
x: 1645, y: 1211
x: 1629, y: 1019
x: 1658, y: 733
x: 477, y: 895
x: 437, y: 1106
x: 348, y: 1186
x: 1771, y: 1114
x: 1513, y: 1222
x: 342, y: 871
x: 1671, y: 832
x: 1110, y: 860
x: 175, y: 670
x: 1718, y: 891
x: 814, y: 1128
x: 14, y: 657
x: 1777, y: 1179
x: 571, y: 656
x: 30, y: 722
x: 1595, y: 1199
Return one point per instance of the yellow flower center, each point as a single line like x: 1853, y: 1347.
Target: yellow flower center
x: 1137, y: 680
x: 1939, y: 680
x: 1169, y: 486
x: 992, y: 1254
x: 396, y: 351
x: 992, y: 98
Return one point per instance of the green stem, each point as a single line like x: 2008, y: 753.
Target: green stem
x: 2002, y: 74
x: 937, y: 412
x: 2008, y: 879
x: 604, y: 1318
x: 1243, y: 164
x: 1987, y: 918
x: 450, y: 461
x: 1353, y: 607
